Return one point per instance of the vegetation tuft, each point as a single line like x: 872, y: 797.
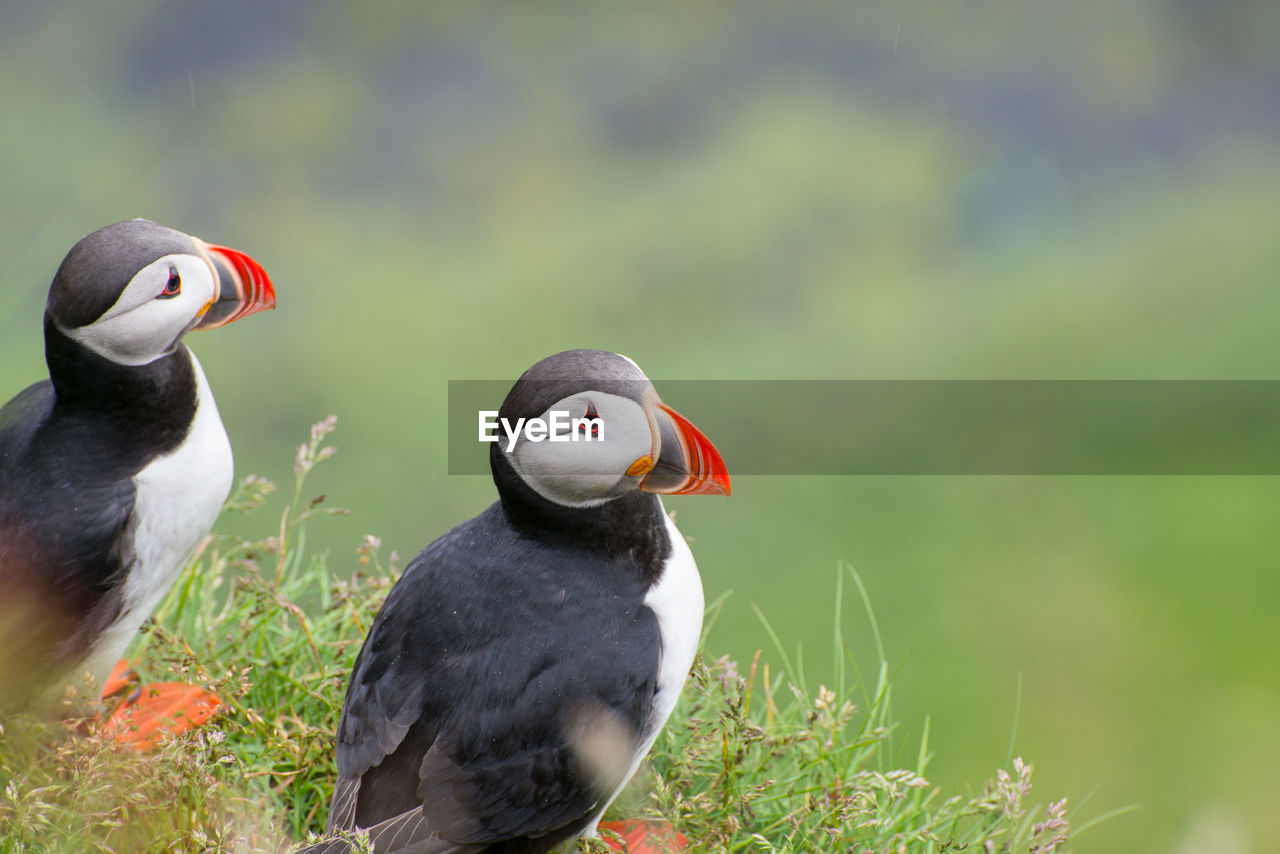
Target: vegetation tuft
x: 750, y: 761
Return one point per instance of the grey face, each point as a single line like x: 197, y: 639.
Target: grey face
x: 131, y: 290
x: 586, y: 470
x: 642, y: 443
x: 581, y: 466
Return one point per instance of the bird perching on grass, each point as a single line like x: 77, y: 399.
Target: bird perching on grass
x: 524, y: 663
x: 114, y: 469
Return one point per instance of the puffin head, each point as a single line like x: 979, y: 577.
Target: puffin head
x: 607, y: 434
x: 131, y: 290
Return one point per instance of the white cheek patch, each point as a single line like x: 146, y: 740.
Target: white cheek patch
x: 581, y: 469
x: 139, y: 328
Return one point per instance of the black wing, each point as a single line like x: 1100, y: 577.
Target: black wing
x: 56, y: 527
x: 500, y: 693
x: 20, y: 418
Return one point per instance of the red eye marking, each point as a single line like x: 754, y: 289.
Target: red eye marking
x: 173, y: 287
x: 591, y: 414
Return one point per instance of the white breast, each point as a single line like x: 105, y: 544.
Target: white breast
x: 178, y: 499
x: 677, y: 601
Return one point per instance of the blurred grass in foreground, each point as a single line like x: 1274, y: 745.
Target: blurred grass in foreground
x: 748, y: 762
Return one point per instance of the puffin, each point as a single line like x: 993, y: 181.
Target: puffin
x: 113, y: 469
x: 525, y: 661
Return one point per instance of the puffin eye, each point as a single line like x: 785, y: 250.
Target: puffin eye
x: 173, y: 287
x: 591, y: 414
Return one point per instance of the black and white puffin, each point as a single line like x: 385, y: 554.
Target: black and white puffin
x: 522, y: 666
x: 115, y: 468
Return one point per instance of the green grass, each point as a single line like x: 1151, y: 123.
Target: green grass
x: 756, y: 761
x: 753, y: 759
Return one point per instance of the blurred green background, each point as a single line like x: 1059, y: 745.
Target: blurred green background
x: 747, y: 190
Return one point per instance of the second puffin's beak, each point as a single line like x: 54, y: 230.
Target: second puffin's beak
x: 243, y: 287
x: 687, y: 463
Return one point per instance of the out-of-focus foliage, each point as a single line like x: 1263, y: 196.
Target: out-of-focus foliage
x: 747, y: 190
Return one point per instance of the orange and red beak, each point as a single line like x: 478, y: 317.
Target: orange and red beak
x: 685, y: 461
x: 243, y: 287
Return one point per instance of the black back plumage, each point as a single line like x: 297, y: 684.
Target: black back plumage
x: 486, y: 649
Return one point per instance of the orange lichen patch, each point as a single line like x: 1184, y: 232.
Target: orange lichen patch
x: 147, y: 714
x: 645, y: 837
